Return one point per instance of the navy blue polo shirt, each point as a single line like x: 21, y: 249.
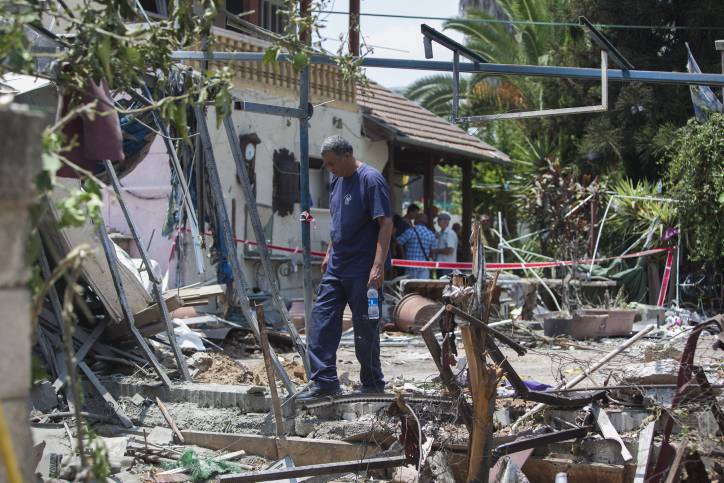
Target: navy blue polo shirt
x: 355, y: 203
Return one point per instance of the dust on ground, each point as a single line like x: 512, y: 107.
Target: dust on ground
x: 222, y: 369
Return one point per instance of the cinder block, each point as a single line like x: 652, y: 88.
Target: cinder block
x: 15, y: 343
x: 14, y: 224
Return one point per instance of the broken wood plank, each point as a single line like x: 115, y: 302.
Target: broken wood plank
x: 316, y: 470
x: 483, y: 380
x: 264, y: 343
x: 675, y: 469
x: 169, y: 420
x: 198, y: 293
x: 304, y: 451
x: 152, y: 313
x: 646, y: 437
x: 608, y: 431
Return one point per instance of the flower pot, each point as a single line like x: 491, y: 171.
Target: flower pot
x: 620, y: 321
x: 555, y: 326
x: 588, y: 326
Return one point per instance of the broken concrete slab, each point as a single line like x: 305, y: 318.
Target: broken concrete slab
x: 664, y: 371
x: 303, y: 451
x: 160, y: 436
x: 205, y: 395
x: 116, y: 448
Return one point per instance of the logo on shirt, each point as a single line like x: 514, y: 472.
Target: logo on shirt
x: 347, y: 198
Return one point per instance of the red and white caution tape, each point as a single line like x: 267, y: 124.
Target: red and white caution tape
x: 399, y: 262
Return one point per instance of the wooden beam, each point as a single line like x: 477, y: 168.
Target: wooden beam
x: 169, y: 420
x: 304, y: 451
x: 467, y: 217
x: 429, y: 188
x: 264, y: 343
x: 482, y: 388
x: 391, y: 174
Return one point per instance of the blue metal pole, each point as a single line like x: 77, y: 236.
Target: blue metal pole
x: 580, y: 73
x: 305, y: 202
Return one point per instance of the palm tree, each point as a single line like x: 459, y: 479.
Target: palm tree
x: 529, y: 42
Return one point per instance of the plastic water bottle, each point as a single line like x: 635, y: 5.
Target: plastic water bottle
x: 373, y: 304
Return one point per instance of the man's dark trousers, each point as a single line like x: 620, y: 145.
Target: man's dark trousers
x: 325, y: 332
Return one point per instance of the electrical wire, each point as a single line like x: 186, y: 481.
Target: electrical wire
x: 527, y: 22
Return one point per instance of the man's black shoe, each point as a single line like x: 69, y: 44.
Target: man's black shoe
x: 315, y: 391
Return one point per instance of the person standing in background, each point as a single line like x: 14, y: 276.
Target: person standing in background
x: 418, y: 242
x: 446, y: 249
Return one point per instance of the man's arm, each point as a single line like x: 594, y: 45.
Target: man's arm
x: 325, y: 262
x: 377, y: 274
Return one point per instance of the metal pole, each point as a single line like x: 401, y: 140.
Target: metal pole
x: 261, y: 241
x: 598, y: 238
x: 157, y: 293
x: 305, y: 201
x: 580, y: 73
x: 500, y: 242
x: 224, y: 228
x: 455, y: 87
x: 110, y: 253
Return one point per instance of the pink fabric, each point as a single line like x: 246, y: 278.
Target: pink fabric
x: 96, y: 139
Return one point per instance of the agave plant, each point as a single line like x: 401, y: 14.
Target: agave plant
x: 635, y: 212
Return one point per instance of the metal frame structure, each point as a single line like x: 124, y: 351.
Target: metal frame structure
x: 477, y: 64
x: 432, y: 35
x: 222, y: 215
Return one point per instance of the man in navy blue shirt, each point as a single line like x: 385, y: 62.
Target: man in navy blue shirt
x: 356, y: 259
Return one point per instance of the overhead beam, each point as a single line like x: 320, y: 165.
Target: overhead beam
x: 579, y: 73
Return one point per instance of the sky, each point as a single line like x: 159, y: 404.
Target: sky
x: 392, y: 37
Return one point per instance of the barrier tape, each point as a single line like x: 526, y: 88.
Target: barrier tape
x: 666, y: 277
x: 398, y: 262
x: 518, y: 266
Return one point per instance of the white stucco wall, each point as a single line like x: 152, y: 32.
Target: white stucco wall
x: 148, y: 187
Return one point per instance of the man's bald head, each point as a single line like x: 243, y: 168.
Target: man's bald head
x: 421, y: 219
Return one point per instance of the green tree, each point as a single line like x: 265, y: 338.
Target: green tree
x: 626, y: 135
x: 695, y: 177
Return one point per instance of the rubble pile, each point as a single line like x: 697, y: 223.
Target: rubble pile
x: 623, y: 407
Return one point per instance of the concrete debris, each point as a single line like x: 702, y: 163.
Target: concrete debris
x: 468, y: 388
x: 662, y: 371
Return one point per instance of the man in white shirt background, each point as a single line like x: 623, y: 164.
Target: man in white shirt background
x: 447, y: 243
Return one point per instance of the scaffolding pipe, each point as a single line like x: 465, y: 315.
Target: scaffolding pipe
x: 305, y: 202
x: 579, y: 73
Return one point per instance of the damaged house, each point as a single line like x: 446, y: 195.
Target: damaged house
x: 169, y: 336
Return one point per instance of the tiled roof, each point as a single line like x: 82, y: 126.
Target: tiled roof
x: 414, y: 125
